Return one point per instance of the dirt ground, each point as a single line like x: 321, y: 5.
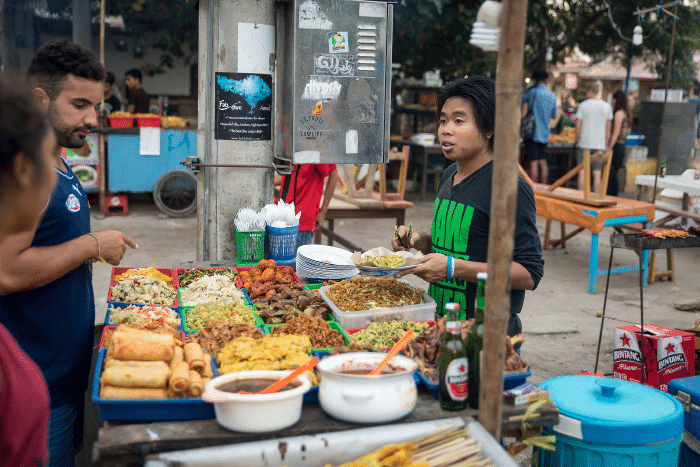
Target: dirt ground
x: 559, y: 318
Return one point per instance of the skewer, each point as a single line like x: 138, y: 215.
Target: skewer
x: 599, y: 314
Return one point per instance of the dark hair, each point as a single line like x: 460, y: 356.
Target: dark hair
x: 110, y: 78
x: 621, y: 104
x: 134, y: 72
x: 23, y: 125
x: 481, y: 92
x: 57, y: 59
x: 540, y: 75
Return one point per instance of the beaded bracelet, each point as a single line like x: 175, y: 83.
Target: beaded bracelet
x: 99, y: 249
x: 450, y: 267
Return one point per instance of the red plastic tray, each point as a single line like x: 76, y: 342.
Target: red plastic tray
x: 121, y: 122
x: 102, y: 339
x: 117, y: 270
x: 148, y: 121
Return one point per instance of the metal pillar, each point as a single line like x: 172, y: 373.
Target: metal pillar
x: 82, y: 23
x: 222, y: 191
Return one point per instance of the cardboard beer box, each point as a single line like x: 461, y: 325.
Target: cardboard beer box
x: 670, y: 354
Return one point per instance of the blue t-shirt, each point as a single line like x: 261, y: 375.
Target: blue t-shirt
x: 544, y: 105
x: 54, y: 324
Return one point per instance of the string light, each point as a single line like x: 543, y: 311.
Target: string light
x: 638, y: 33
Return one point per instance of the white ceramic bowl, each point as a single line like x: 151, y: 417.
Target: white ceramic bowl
x: 366, y: 399
x: 424, y: 139
x: 256, y: 413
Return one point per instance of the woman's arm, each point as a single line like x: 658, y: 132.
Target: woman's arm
x: 618, y: 118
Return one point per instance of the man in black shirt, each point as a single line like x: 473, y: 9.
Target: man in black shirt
x: 112, y: 102
x: 139, y: 102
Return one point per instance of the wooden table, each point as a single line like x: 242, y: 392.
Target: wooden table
x: 339, y: 209
x: 688, y: 186
x: 119, y: 444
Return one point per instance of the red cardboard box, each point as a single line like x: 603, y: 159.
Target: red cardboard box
x: 669, y: 354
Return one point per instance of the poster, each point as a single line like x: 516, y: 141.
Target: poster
x: 85, y: 162
x: 243, y: 106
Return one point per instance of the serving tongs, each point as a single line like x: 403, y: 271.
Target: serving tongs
x: 408, y: 236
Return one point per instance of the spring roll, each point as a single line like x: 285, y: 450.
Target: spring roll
x: 111, y: 362
x: 177, y: 337
x: 180, y: 378
x: 178, y: 356
x: 112, y: 392
x: 208, y: 372
x: 194, y: 357
x: 205, y: 380
x: 196, y: 384
x: 136, y: 377
x: 132, y: 347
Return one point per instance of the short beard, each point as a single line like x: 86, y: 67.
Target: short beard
x: 64, y: 135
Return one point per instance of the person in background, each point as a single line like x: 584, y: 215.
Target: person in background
x: 566, y: 103
x: 593, y: 121
x: 616, y: 141
x: 544, y: 106
x: 46, y: 296
x: 112, y: 102
x: 304, y: 188
x: 695, y: 99
x: 138, y: 101
x: 26, y: 182
x: 461, y: 218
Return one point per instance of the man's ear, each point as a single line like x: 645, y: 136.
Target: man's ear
x: 42, y: 96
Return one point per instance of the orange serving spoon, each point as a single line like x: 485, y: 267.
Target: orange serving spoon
x: 400, y: 344
x: 279, y: 384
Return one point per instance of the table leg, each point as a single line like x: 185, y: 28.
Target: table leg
x: 605, y: 302
x: 684, y: 206
x: 593, y: 263
x: 642, y: 280
x: 331, y: 224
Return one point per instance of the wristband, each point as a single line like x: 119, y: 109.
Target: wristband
x: 450, y: 267
x: 99, y: 249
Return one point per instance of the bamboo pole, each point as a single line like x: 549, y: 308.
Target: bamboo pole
x: 509, y: 74
x: 101, y: 138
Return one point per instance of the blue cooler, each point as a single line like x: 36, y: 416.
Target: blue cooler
x: 634, y: 139
x: 606, y: 422
x: 687, y: 391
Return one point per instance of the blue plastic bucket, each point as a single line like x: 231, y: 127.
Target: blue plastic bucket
x: 609, y: 423
x: 282, y: 242
x: 634, y: 139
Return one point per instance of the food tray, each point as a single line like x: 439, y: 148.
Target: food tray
x: 121, y: 122
x: 177, y: 271
x: 356, y: 319
x: 148, y: 121
x: 246, y: 297
x: 102, y: 338
x: 332, y: 324
x: 509, y: 381
x: 124, y: 305
x: 149, y: 410
x: 312, y: 287
x: 352, y: 331
x: 117, y: 270
x: 239, y: 282
x: 258, y: 320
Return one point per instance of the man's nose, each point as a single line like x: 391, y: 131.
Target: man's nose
x: 91, y: 118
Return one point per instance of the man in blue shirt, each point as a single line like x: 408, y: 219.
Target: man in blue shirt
x: 544, y: 105
x: 46, y: 295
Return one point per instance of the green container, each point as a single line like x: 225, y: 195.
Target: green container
x: 250, y: 247
x: 333, y: 324
x: 258, y: 320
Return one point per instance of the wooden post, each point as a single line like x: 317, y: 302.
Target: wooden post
x: 509, y: 74
x: 101, y: 137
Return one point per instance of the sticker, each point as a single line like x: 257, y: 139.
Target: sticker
x: 311, y: 16
x: 338, y: 43
x: 321, y: 88
x: 318, y: 109
x: 307, y: 157
x: 243, y: 106
x: 373, y: 10
x: 256, y: 42
x: 73, y: 203
x: 334, y: 65
x: 310, y: 128
x: 351, y: 142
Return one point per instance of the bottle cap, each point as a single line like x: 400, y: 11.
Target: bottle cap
x: 452, y: 306
x: 482, y: 276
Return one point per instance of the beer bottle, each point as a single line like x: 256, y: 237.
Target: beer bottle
x: 454, y: 366
x: 475, y: 341
x: 663, y: 168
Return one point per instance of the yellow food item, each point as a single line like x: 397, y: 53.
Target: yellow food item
x: 149, y: 271
x: 173, y: 122
x: 119, y: 113
x: 269, y: 353
x: 386, y: 261
x: 392, y: 455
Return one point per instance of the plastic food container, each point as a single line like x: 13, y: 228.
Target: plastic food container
x: 352, y: 331
x: 256, y: 413
x: 258, y: 320
x: 180, y: 301
x: 117, y: 270
x: 149, y: 410
x: 334, y: 325
x: 102, y: 338
x: 148, y: 121
x: 121, y: 122
x: 687, y: 392
x: 356, y: 319
x: 125, y: 305
x: 609, y: 422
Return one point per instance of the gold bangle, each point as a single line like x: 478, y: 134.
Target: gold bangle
x: 99, y: 249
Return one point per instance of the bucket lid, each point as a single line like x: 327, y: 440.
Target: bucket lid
x: 613, y: 412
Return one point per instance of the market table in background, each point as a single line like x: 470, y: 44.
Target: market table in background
x: 427, y: 165
x: 684, y: 183
x: 119, y: 444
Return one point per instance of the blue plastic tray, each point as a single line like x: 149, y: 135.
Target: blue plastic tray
x: 509, y: 382
x: 125, y: 305
x: 149, y: 410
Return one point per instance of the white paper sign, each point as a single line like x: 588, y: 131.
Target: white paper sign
x: 149, y: 141
x: 256, y: 43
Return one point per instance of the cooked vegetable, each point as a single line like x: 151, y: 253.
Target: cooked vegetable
x: 145, y: 290
x: 199, y: 316
x: 190, y: 275
x: 382, y: 334
x: 144, y: 315
x: 210, y: 289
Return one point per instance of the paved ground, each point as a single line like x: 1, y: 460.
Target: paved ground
x: 559, y: 319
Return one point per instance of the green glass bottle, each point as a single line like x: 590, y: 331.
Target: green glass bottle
x: 475, y: 341
x: 453, y: 366
x: 663, y: 168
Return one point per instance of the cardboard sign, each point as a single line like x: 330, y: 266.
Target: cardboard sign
x: 669, y: 354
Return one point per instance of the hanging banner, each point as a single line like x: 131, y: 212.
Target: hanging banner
x: 243, y: 103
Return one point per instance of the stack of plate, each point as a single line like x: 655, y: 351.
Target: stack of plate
x: 319, y: 263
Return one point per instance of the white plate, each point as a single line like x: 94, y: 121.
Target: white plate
x: 86, y: 171
x: 325, y: 254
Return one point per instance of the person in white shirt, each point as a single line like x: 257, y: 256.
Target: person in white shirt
x: 593, y: 120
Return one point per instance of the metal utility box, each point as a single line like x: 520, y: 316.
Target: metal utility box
x: 334, y: 81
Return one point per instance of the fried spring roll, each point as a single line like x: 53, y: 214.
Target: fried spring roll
x: 132, y: 347
x: 112, y: 392
x: 178, y: 356
x: 136, y: 377
x: 111, y: 362
x: 196, y: 384
x: 180, y: 379
x: 194, y: 357
x: 208, y: 372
